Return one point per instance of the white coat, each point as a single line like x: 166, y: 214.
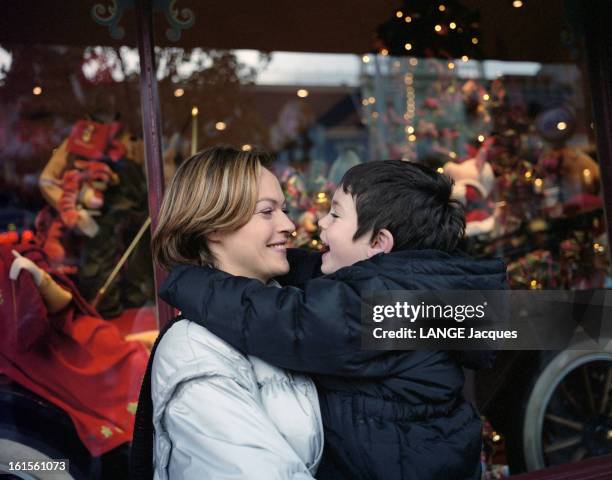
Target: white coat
x: 220, y: 415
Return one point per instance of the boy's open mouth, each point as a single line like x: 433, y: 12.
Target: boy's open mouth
x: 324, y: 247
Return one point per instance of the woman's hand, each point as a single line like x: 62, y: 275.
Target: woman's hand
x: 23, y: 263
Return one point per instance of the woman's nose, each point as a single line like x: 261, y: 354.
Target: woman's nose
x: 287, y: 224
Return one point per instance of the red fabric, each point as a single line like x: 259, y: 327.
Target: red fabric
x: 55, y: 239
x: 9, y: 238
x: 20, y: 315
x: 582, y: 202
x: 95, y: 140
x: 134, y: 320
x: 477, y: 208
x: 472, y: 194
x: 598, y: 468
x: 73, y: 359
x: 116, y: 151
x: 477, y: 215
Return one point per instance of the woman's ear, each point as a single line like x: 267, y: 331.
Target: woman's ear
x: 214, y: 237
x: 381, y: 243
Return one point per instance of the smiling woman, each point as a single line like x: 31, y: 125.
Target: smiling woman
x: 224, y: 209
x: 213, y: 409
x: 213, y: 191
x: 257, y: 249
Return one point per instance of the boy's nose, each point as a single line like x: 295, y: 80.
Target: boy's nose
x: 322, y: 222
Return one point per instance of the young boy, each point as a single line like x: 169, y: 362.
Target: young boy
x: 386, y: 414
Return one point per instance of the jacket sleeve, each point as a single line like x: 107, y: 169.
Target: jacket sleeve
x: 218, y: 431
x: 315, y: 330
x: 303, y: 266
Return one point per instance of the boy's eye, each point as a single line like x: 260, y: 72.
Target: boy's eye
x: 285, y: 211
x: 334, y: 215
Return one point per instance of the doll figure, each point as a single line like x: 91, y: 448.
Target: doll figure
x: 474, y: 182
x: 57, y: 346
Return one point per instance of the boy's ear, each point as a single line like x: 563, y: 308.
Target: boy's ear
x: 381, y: 243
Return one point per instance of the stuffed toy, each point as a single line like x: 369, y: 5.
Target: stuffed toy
x: 73, y: 182
x: 96, y: 141
x: 474, y: 182
x: 80, y: 199
x: 571, y: 177
x: 95, y: 188
x: 83, y: 187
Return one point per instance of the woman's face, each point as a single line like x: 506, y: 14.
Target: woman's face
x: 258, y: 249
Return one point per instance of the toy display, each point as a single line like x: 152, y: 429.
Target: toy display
x: 57, y: 346
x: 96, y: 191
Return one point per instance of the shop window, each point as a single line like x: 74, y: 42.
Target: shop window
x: 77, y: 306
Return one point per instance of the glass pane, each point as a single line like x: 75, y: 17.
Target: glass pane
x: 518, y: 140
x: 77, y: 307
x: 517, y: 136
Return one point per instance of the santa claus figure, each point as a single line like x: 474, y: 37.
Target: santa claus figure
x: 474, y: 182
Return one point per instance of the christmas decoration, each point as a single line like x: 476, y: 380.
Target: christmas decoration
x: 307, y: 206
x: 536, y: 271
x: 421, y: 110
x: 443, y: 29
x: 474, y: 182
x: 492, y: 446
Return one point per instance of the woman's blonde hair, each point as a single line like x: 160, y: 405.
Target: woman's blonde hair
x: 214, y: 190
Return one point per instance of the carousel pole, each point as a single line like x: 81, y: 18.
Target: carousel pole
x: 151, y: 127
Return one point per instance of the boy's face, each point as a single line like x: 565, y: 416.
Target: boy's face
x: 337, y: 230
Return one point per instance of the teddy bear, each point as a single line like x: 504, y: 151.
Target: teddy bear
x: 571, y: 177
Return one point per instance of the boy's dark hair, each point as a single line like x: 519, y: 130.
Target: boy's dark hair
x: 410, y: 200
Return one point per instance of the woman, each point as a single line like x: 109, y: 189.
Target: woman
x: 217, y: 413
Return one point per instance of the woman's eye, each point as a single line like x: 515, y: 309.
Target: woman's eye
x: 334, y: 215
x: 285, y: 211
x: 267, y: 212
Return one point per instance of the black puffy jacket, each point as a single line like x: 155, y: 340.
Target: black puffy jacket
x: 386, y: 414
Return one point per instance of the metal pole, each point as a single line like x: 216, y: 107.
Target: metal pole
x: 111, y: 278
x: 151, y: 127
